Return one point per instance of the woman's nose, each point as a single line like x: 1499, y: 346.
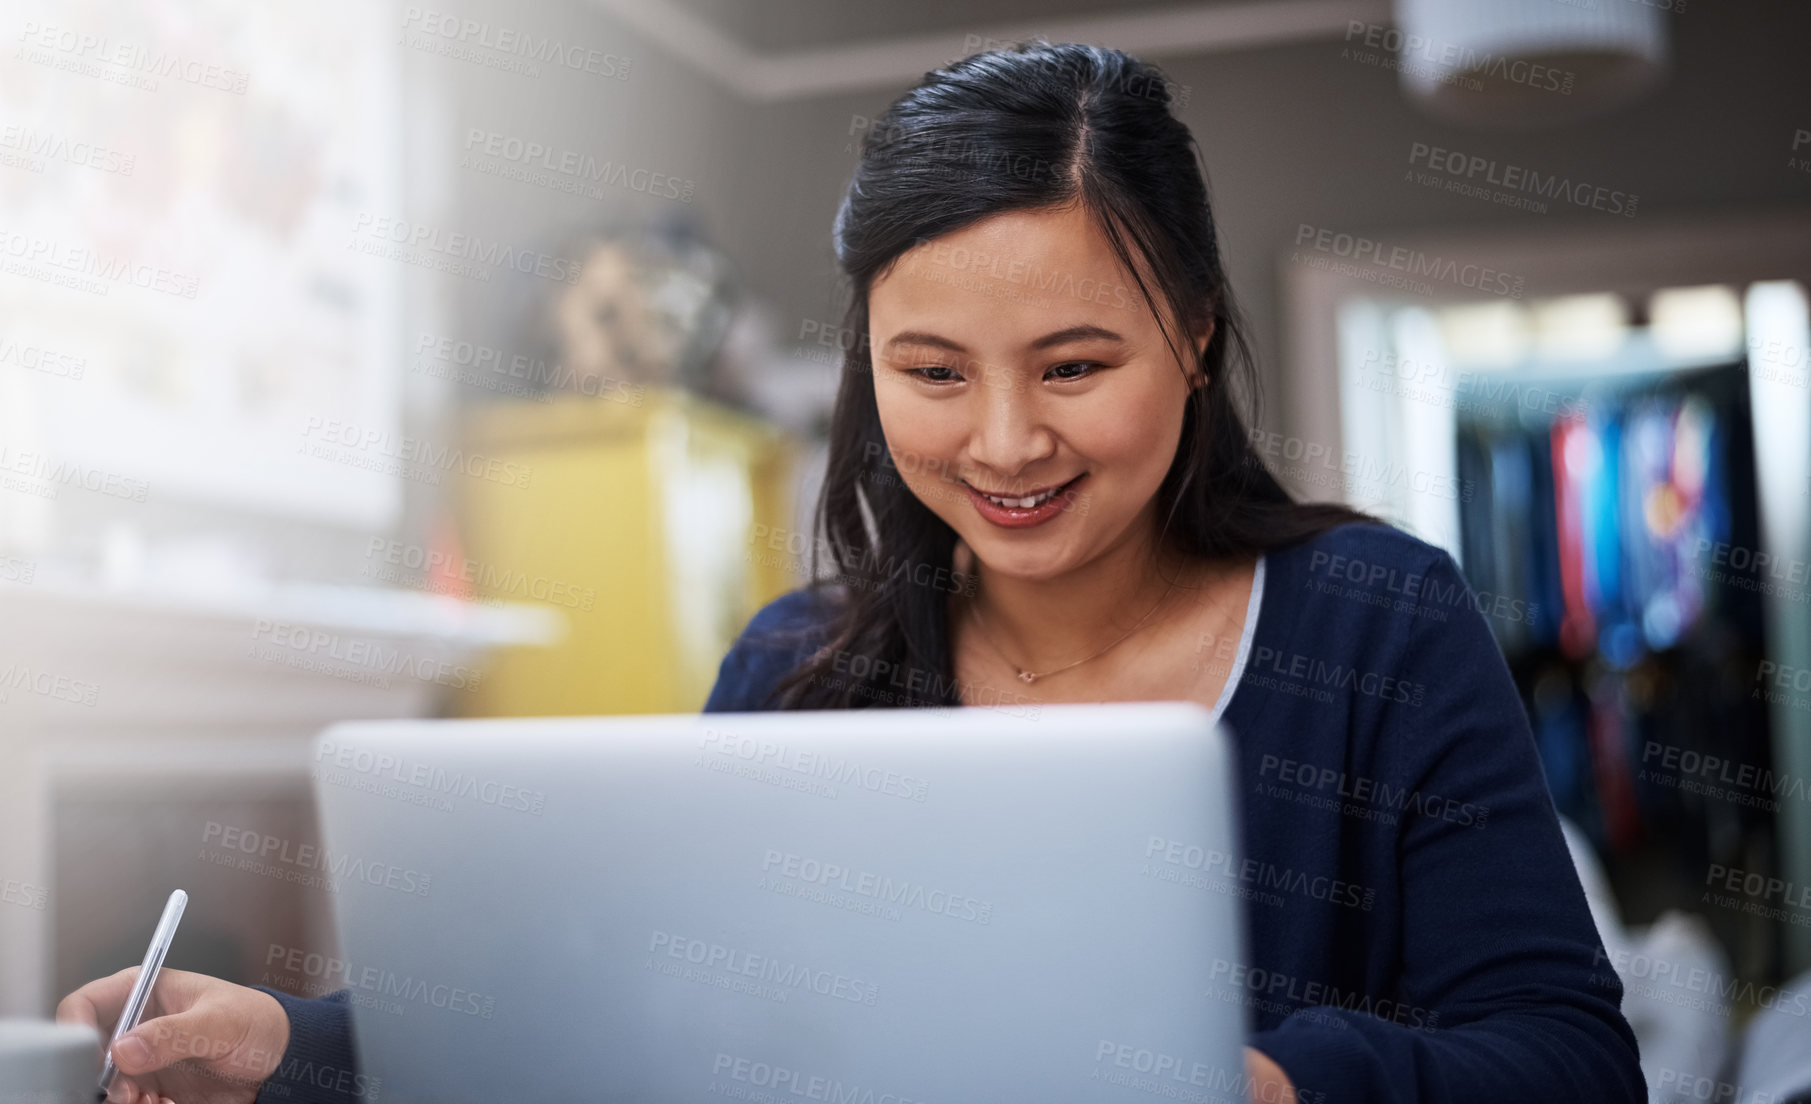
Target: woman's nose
x: 1008, y: 431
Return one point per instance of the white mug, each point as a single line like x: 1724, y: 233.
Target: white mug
x: 48, y: 1063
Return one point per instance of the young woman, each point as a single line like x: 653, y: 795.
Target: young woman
x: 1041, y: 490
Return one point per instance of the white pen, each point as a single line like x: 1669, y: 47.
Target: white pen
x: 147, y: 977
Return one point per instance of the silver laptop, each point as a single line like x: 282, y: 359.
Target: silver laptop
x: 871, y: 906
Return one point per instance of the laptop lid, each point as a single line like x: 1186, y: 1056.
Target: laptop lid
x: 881, y: 906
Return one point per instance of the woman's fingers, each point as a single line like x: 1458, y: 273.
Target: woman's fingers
x: 205, y: 1031
x: 98, y: 1003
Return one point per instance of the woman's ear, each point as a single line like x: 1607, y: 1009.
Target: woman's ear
x: 1196, y: 376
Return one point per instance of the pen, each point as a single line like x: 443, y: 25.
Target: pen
x: 147, y: 977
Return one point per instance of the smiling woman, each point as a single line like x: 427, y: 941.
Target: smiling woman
x: 1036, y: 406
x: 1094, y: 407
x: 1037, y: 271
x: 1044, y: 406
x: 1045, y: 402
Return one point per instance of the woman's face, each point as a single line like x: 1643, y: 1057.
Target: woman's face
x: 1017, y: 356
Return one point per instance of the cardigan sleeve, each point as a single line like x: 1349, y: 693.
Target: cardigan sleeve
x: 777, y: 638
x: 1498, y: 944
x: 318, y: 1065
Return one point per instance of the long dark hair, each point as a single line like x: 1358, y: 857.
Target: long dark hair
x: 1033, y: 126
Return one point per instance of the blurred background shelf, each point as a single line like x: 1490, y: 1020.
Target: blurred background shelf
x: 637, y: 520
x: 115, y: 764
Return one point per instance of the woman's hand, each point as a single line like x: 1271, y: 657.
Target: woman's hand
x: 202, y: 1041
x: 1269, y: 1084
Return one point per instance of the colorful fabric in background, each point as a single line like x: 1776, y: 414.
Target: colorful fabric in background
x: 1612, y: 733
x: 1602, y: 516
x: 1599, y: 522
x: 1674, y: 503
x: 1576, y: 461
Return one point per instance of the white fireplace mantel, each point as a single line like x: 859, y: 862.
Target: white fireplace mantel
x: 102, y: 689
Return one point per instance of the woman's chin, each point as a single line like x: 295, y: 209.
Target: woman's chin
x: 1031, y: 565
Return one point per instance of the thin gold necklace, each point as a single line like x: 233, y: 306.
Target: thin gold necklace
x: 1029, y: 677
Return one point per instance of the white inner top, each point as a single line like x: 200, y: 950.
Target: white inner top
x: 1251, y: 628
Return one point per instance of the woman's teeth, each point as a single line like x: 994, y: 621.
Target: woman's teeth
x: 1021, y: 503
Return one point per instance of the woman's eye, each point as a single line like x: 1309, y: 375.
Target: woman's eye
x: 1085, y: 368
x: 931, y: 372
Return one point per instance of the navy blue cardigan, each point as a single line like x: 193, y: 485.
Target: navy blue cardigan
x: 1418, y: 932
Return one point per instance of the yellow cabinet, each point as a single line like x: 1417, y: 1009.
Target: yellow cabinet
x: 635, y: 523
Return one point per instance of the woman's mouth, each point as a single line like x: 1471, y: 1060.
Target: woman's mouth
x: 1020, y: 511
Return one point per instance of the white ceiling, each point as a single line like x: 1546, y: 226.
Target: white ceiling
x: 790, y: 49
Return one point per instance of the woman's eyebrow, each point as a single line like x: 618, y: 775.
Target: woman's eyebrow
x: 1076, y: 333
x: 919, y: 337
x: 1060, y: 337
